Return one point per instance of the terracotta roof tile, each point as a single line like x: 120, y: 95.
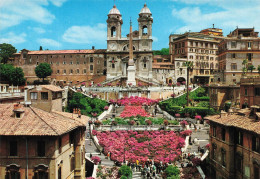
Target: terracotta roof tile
x: 239, y: 121
x: 35, y: 122
x: 52, y: 88
x: 39, y: 52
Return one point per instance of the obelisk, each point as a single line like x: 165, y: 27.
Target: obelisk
x: 131, y: 64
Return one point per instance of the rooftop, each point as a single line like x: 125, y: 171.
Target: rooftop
x: 37, y: 122
x: 239, y: 121
x: 52, y: 88
x: 50, y: 52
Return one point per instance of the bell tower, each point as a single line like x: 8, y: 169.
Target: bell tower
x: 114, y: 24
x: 145, y: 22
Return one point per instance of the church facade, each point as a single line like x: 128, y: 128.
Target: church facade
x: 98, y: 65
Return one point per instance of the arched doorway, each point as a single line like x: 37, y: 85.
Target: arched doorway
x: 181, y: 79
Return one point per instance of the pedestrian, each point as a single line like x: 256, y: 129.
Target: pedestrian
x: 199, y: 148
x: 90, y: 155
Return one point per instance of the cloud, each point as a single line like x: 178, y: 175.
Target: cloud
x: 155, y: 39
x: 48, y: 43
x: 58, y: 2
x: 38, y: 30
x: 86, y: 34
x: 14, y: 12
x: 13, y: 38
x: 224, y: 14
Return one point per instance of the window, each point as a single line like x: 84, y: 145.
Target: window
x: 34, y: 95
x: 246, y: 92
x: 77, y: 70
x: 214, y: 151
x: 12, y: 171
x: 223, y: 134
x: 144, y: 65
x: 113, y: 31
x: 57, y: 63
x: 240, y: 138
x: 44, y: 95
x: 77, y: 62
x: 71, y: 71
x: 249, y: 56
x: 239, y: 162
x: 60, y: 144
x: 64, y: 62
x: 90, y: 59
x: 249, y: 45
x: 233, y: 44
x: 37, y: 63
x: 64, y: 71
x: 233, y: 66
x: 214, y: 131
x: 113, y: 65
x: 91, y: 68
x: 233, y: 55
x: 144, y: 30
x: 13, y: 148
x: 84, y: 70
x: 24, y: 55
x: 71, y: 62
x: 59, y: 173
x: 41, y: 148
x: 256, y: 144
x: 257, y: 91
x: 72, y: 163
x: 58, y: 71
x: 223, y: 157
x: 256, y: 172
x: 85, y: 62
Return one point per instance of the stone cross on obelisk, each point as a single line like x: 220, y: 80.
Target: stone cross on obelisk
x: 131, y: 64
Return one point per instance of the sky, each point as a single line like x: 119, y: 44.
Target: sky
x: 81, y: 24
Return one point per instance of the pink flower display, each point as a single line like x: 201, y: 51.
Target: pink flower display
x: 184, y: 123
x: 184, y: 82
x: 169, y: 84
x: 189, y: 89
x: 130, y: 111
x: 186, y: 133
x: 95, y: 159
x: 140, y: 84
x: 177, y: 115
x: 198, y: 117
x: 94, y: 132
x: 137, y: 101
x: 109, y: 84
x: 99, y: 85
x: 106, y: 108
x: 162, y: 145
x: 207, y: 146
x: 173, y: 95
x: 178, y: 84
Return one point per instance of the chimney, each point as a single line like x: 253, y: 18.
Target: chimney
x: 18, y: 111
x: 93, y: 47
x: 213, y: 26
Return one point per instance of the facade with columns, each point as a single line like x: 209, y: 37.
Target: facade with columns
x: 118, y: 46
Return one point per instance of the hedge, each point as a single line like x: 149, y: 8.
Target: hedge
x: 203, y: 98
x: 202, y: 111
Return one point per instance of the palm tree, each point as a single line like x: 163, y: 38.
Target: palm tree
x: 189, y: 65
x: 251, y: 68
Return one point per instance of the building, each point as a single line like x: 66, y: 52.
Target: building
x: 201, y: 49
x: 239, y: 45
x: 213, y: 31
x: 220, y: 94
x: 235, y: 145
x: 39, y: 144
x: 10, y: 94
x: 69, y: 66
x: 249, y: 91
x: 163, y: 69
x: 180, y: 70
x: 45, y: 97
x: 118, y: 47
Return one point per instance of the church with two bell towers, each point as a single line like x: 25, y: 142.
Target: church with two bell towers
x: 118, y: 47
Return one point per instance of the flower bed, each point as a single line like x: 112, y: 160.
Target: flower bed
x: 162, y: 146
x: 134, y: 111
x: 137, y: 101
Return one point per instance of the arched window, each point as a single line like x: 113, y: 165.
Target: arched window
x: 12, y: 171
x: 41, y: 171
x: 144, y: 30
x: 113, y: 31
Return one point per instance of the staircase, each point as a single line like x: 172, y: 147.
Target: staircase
x: 136, y: 175
x: 147, y: 80
x: 112, y: 79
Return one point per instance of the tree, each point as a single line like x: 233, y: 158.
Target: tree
x: 172, y: 171
x: 189, y: 65
x: 244, y: 63
x: 12, y: 75
x: 40, y: 48
x: 258, y: 68
x: 251, y: 68
x: 163, y: 51
x: 43, y: 70
x: 6, y: 51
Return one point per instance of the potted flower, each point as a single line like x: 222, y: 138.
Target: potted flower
x: 96, y: 160
x: 130, y: 84
x: 99, y: 85
x: 109, y: 84
x: 140, y: 84
x: 106, y: 108
x: 94, y: 95
x: 183, y: 123
x: 189, y: 89
x: 207, y: 146
x: 177, y: 115
x: 94, y: 114
x: 83, y: 84
x: 173, y: 95
x: 131, y: 122
x: 90, y: 84
x: 184, y: 82
x: 94, y: 132
x: 198, y: 117
x: 148, y: 122
x: 97, y: 123
x: 178, y: 84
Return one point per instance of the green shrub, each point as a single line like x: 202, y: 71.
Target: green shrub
x: 123, y: 177
x: 203, y: 98
x: 202, y: 111
x: 203, y: 104
x: 125, y: 171
x: 172, y: 171
x: 173, y: 122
